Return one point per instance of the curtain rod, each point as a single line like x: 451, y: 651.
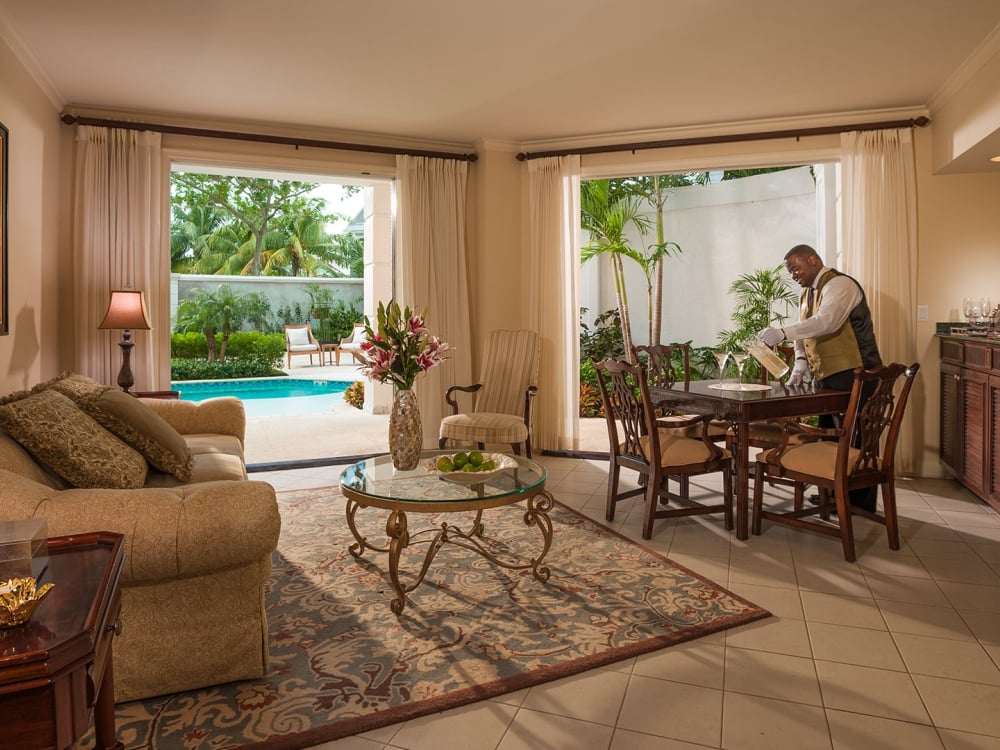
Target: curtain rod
x: 734, y: 138
x: 261, y: 138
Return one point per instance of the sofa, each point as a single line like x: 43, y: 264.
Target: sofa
x: 198, y: 535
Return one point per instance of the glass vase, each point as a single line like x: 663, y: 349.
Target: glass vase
x: 405, y: 431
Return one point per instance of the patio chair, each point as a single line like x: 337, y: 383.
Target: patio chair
x: 502, y: 405
x: 638, y: 442
x: 860, y: 454
x: 352, y: 344
x: 299, y: 339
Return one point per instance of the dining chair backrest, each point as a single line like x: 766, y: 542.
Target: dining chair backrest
x: 870, y: 433
x: 665, y: 364
x: 626, y: 405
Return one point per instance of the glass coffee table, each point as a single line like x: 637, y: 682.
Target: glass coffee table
x: 374, y: 483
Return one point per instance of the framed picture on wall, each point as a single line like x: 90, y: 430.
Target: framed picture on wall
x: 4, y: 322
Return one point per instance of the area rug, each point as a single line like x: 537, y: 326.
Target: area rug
x: 343, y: 663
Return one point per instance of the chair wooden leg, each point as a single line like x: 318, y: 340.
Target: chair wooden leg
x: 758, y: 498
x: 727, y: 497
x: 516, y: 448
x: 799, y: 496
x: 614, y: 472
x: 846, y: 525
x: 889, y: 512
x: 649, y: 511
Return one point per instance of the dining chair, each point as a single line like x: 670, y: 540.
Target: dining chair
x: 639, y: 442
x: 859, y: 454
x: 502, y: 406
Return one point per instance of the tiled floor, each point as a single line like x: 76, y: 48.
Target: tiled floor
x: 897, y: 651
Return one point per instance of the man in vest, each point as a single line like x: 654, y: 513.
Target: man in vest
x: 833, y: 336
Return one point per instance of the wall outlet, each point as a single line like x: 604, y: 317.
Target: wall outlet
x: 922, y: 312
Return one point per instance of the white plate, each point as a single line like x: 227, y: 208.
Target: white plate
x: 503, y: 462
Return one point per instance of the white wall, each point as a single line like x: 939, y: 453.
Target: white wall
x: 724, y: 229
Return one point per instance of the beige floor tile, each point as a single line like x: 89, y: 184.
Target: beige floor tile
x: 777, y: 635
x: 765, y: 571
x: 893, y: 563
x: 907, y: 589
x: 965, y: 706
x: 832, y: 575
x: 962, y: 571
x: 714, y: 569
x: 851, y: 731
x: 751, y: 722
x: 531, y: 730
x: 954, y: 740
x: 941, y: 657
x: 859, y: 646
x: 670, y: 709
x: 769, y: 675
x: 480, y: 724
x: 626, y: 740
x: 875, y: 692
x: 593, y: 696
x: 951, y: 549
x: 984, y: 625
x: 357, y: 742
x: 780, y: 602
x: 971, y: 596
x: 693, y: 663
x: 855, y: 611
x: 941, y: 622
x: 989, y: 552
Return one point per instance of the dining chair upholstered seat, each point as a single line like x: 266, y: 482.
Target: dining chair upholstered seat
x: 638, y: 442
x: 502, y: 400
x: 859, y: 454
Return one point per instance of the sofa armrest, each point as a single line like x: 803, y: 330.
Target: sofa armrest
x: 169, y: 533
x: 224, y: 415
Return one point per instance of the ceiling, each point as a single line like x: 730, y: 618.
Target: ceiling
x: 517, y: 71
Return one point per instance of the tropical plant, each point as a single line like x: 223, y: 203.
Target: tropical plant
x: 218, y: 311
x: 355, y: 394
x: 762, y: 300
x: 604, y: 339
x: 607, y: 217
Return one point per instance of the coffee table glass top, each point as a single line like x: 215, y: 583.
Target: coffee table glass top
x: 377, y: 478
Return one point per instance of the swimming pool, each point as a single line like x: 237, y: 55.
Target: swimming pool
x: 269, y: 396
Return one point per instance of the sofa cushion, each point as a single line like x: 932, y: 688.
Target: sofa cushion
x: 14, y: 458
x: 143, y: 429
x: 71, y: 444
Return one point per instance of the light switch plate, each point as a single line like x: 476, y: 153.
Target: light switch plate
x: 922, y: 312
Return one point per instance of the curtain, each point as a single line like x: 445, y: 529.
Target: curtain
x: 432, y: 271
x: 553, y: 297
x: 879, y: 239
x: 117, y: 244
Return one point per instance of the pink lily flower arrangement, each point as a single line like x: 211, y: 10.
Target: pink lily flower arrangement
x: 400, y: 347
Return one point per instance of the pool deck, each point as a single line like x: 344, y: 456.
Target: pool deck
x: 344, y: 431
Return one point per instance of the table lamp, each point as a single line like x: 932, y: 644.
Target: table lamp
x: 126, y: 311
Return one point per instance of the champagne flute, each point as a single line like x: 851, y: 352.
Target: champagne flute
x: 967, y: 309
x: 985, y: 309
x: 721, y: 357
x: 740, y: 358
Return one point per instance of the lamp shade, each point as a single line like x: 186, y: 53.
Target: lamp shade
x: 127, y: 310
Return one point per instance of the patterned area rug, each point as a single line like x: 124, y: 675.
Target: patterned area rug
x: 343, y: 663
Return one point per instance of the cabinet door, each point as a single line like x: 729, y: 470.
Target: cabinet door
x: 974, y: 392
x: 950, y: 439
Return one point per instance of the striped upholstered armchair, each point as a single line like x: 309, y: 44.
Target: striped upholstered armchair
x: 501, y: 400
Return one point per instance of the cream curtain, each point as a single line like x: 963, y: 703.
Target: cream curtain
x: 553, y: 299
x: 431, y: 270
x: 879, y: 239
x: 117, y: 244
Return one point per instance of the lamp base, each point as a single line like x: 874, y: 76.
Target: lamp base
x: 125, y: 378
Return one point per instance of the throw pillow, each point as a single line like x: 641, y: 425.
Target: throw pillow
x: 298, y: 337
x: 75, y: 386
x: 143, y: 429
x: 70, y: 444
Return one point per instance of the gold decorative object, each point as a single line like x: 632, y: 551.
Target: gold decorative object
x: 405, y: 432
x: 19, y: 598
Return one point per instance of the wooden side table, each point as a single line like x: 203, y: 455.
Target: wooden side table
x: 170, y: 395
x: 55, y: 670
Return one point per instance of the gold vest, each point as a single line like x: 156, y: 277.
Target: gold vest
x: 836, y: 351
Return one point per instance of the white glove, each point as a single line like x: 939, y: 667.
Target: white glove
x: 771, y: 336
x: 800, y: 369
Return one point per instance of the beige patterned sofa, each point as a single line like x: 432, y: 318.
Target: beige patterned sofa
x: 198, y: 550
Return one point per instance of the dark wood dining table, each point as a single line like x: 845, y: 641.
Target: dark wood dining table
x: 740, y: 408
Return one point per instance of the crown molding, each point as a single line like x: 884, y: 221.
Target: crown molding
x: 27, y: 58
x: 965, y: 72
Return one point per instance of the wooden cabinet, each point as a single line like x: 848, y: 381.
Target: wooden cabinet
x: 970, y: 414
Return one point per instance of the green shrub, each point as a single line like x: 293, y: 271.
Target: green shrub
x: 242, y: 344
x: 355, y: 394
x: 234, y: 367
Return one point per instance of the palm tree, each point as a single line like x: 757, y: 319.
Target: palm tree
x: 607, y: 218
x: 759, y: 297
x: 210, y: 312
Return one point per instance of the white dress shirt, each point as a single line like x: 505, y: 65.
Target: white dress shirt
x: 840, y: 295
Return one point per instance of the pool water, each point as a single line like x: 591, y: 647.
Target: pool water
x: 269, y: 396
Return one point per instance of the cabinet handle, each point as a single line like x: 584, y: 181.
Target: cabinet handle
x: 116, y: 627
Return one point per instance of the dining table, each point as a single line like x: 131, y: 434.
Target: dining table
x: 739, y: 404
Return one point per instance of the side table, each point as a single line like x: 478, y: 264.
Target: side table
x: 55, y: 670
